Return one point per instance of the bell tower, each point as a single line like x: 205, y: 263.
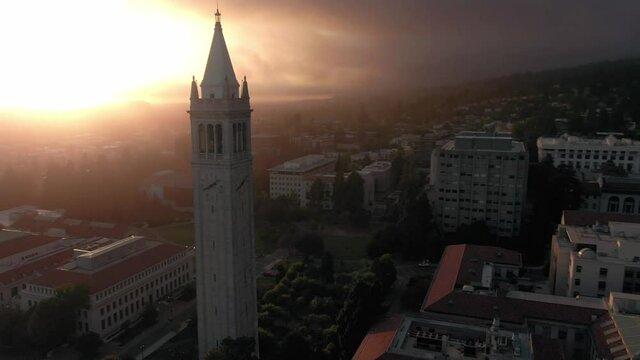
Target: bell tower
x: 223, y: 201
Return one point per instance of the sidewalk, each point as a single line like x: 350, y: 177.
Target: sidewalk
x: 170, y: 318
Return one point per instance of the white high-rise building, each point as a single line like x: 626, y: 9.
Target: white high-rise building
x: 480, y: 177
x: 223, y: 202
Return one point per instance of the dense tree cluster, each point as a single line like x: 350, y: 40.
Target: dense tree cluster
x: 415, y: 235
x: 52, y: 322
x: 307, y: 315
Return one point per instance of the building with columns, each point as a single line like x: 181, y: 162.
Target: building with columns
x: 223, y: 202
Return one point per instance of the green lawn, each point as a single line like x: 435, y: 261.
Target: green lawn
x: 182, y: 234
x: 347, y: 247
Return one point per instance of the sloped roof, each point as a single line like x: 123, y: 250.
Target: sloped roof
x: 110, y: 275
x: 19, y: 244
x: 219, y: 69
x: 28, y: 269
x: 376, y: 343
x: 462, y: 265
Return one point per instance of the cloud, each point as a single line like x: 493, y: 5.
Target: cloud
x: 314, y: 48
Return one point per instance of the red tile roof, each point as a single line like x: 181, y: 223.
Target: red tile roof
x: 378, y: 339
x: 48, y: 262
x: 24, y: 243
x: 109, y: 275
x: 588, y: 218
x: 462, y: 265
x: 510, y: 310
x: 444, y: 280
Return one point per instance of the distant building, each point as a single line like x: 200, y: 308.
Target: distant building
x: 171, y: 188
x: 289, y: 178
x: 611, y: 194
x: 381, y: 173
x: 595, y: 260
x: 480, y: 177
x: 123, y: 277
x: 590, y: 154
x: 328, y: 181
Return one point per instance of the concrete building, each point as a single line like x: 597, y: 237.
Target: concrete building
x: 417, y: 336
x: 611, y: 194
x: 590, y: 154
x: 223, y: 202
x: 123, y: 276
x: 328, y: 181
x: 289, y: 178
x: 595, y: 260
x: 480, y: 177
x: 461, y: 288
x: 381, y: 173
x: 171, y: 188
x: 23, y: 255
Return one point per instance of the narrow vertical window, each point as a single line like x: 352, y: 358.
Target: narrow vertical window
x: 219, y: 139
x: 235, y: 138
x: 244, y: 136
x: 202, y: 137
x: 210, y: 142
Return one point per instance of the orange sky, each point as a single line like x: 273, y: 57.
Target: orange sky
x: 74, y: 54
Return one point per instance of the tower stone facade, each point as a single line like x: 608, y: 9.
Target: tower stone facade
x: 223, y: 201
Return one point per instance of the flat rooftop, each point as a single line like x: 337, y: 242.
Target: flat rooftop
x: 303, y: 164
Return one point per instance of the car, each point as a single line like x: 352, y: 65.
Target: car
x: 424, y: 263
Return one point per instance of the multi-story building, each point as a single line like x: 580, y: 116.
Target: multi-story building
x: 465, y: 288
x: 328, y: 181
x: 595, y: 260
x: 381, y: 173
x: 23, y: 255
x: 289, y: 178
x: 480, y: 177
x: 611, y: 194
x: 590, y: 154
x: 123, y: 276
x: 420, y: 336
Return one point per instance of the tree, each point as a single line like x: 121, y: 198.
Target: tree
x: 309, y: 244
x: 295, y: 346
x: 385, y: 270
x: 242, y: 348
x: 316, y: 194
x: 53, y: 321
x: 353, y: 193
x: 149, y: 315
x: 88, y: 344
x: 326, y: 267
x: 361, y: 307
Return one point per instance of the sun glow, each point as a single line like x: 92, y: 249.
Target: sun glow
x: 75, y: 54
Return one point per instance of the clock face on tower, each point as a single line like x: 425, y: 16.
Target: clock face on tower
x: 209, y: 182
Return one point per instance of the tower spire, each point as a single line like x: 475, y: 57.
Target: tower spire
x: 219, y: 67
x: 245, y: 89
x: 194, y: 89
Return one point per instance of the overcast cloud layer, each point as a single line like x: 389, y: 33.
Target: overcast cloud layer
x: 314, y: 48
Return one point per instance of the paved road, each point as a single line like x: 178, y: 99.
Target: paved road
x: 170, y: 318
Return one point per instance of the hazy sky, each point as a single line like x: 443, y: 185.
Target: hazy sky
x: 70, y: 53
